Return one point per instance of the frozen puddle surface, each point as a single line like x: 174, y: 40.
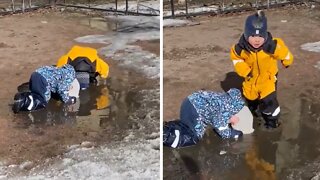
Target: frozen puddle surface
x: 119, y: 44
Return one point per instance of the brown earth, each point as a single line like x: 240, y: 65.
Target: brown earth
x: 31, y: 40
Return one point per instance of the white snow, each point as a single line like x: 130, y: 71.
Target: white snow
x: 222, y: 152
x: 147, y: 7
x: 313, y: 47
x: 175, y: 22
x: 26, y: 165
x: 212, y: 8
x: 135, y: 160
x: 130, y: 29
x: 150, y: 7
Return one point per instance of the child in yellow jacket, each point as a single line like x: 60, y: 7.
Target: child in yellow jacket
x: 255, y: 58
x: 87, y: 64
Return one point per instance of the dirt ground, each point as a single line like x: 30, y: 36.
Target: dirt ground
x: 197, y: 57
x: 29, y: 41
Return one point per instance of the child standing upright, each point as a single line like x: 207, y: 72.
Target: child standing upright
x: 255, y: 58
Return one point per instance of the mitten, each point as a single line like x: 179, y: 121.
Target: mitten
x: 72, y: 100
x: 235, y: 133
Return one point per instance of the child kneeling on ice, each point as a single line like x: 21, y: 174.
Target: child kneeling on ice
x: 204, y: 108
x: 43, y: 82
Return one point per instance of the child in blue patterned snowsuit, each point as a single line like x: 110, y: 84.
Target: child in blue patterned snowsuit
x: 200, y: 109
x: 43, y: 82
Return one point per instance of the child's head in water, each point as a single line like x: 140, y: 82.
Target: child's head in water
x: 255, y: 31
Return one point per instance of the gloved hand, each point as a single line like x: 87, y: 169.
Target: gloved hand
x: 236, y: 134
x: 72, y: 100
x: 284, y: 65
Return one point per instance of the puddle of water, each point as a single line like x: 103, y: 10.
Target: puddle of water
x: 99, y: 23
x: 102, y: 106
x: 262, y: 155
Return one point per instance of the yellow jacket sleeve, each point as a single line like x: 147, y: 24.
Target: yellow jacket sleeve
x: 102, y: 68
x: 241, y: 67
x: 62, y: 61
x: 282, y: 53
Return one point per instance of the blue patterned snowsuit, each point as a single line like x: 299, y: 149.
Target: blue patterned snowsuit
x: 200, y: 109
x: 215, y: 109
x: 58, y: 80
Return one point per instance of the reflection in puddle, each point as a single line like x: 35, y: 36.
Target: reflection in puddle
x: 103, y: 106
x: 263, y: 155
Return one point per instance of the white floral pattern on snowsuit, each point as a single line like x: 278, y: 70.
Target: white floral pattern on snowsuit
x: 216, y: 109
x: 58, y: 79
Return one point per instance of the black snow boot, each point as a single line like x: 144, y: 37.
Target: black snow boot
x: 271, y: 122
x: 254, y: 107
x: 25, y: 101
x: 177, y: 134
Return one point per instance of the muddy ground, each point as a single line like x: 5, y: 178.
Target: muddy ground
x: 33, y: 39
x: 197, y: 57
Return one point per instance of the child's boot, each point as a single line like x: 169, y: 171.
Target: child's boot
x: 25, y: 101
x: 271, y: 121
x: 253, y: 106
x: 177, y: 134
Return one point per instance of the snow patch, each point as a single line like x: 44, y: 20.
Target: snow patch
x: 313, y: 47
x: 148, y: 7
x: 191, y: 10
x: 175, y: 22
x: 26, y: 165
x: 135, y: 160
x: 136, y: 156
x: 131, y: 29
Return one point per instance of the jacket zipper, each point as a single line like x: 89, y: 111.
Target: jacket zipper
x: 258, y: 68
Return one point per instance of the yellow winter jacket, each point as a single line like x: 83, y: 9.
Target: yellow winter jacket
x: 259, y: 68
x: 101, y: 67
